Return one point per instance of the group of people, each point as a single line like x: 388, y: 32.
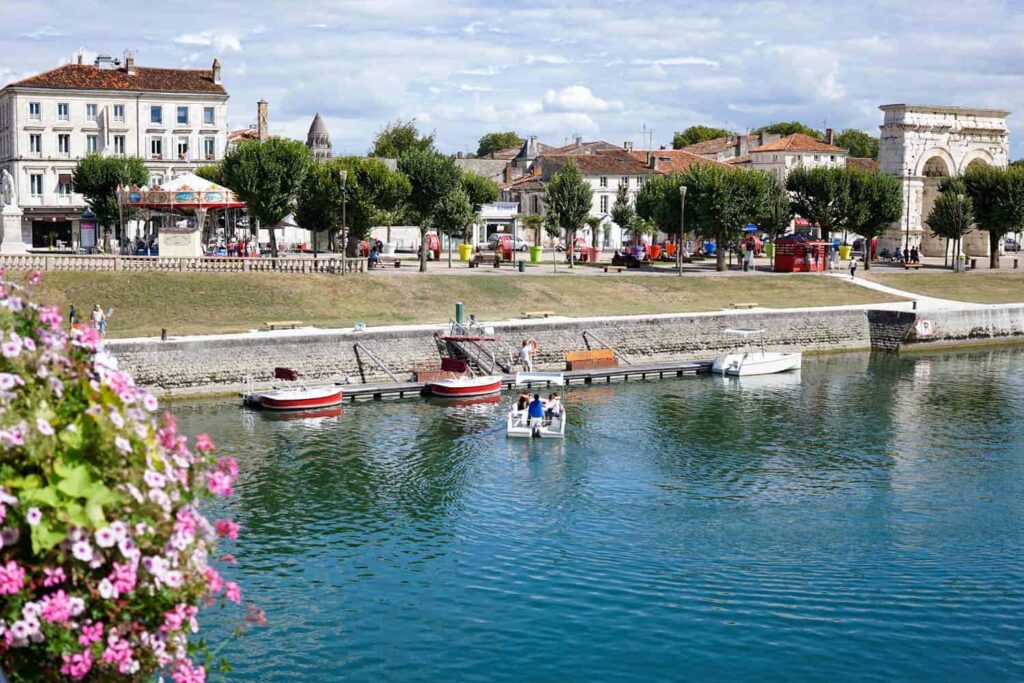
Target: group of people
x: 631, y: 257
x: 373, y: 258
x: 240, y: 247
x: 99, y: 318
x: 538, y: 408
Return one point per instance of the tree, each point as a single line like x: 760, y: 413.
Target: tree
x: 495, y: 142
x: 821, y: 195
x: 857, y: 143
x: 775, y: 210
x: 97, y: 178
x: 875, y: 203
x: 211, y: 172
x: 397, y: 138
x: 658, y: 201
x: 570, y: 198
x: 431, y: 176
x: 789, y: 128
x: 594, y: 223
x: 622, y: 209
x: 998, y: 198
x: 695, y: 134
x: 479, y: 190
x: 952, y: 216
x: 267, y: 175
x: 451, y: 214
x: 639, y: 226
x: 720, y: 201
x: 553, y: 229
x: 318, y: 204
x: 534, y: 222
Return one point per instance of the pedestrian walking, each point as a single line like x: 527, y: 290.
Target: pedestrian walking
x: 73, y: 316
x: 99, y: 320
x: 853, y: 268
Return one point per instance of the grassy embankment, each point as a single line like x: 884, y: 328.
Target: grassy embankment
x: 227, y: 302
x: 983, y: 287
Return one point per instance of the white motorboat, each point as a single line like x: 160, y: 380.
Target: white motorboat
x: 754, y: 361
x: 464, y: 387
x: 519, y: 424
x: 293, y: 396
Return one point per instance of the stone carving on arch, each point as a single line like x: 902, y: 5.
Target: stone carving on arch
x: 977, y: 156
x: 936, y: 153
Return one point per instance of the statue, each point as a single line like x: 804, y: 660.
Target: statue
x: 8, y: 193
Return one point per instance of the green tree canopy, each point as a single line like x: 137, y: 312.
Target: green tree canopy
x: 318, y: 204
x: 432, y: 176
x: 570, y: 198
x: 622, y: 209
x: 534, y: 222
x: 451, y: 215
x: 788, y: 128
x: 857, y: 143
x: 775, y: 211
x: 398, y: 137
x: 997, y: 195
x: 658, y: 201
x: 480, y: 190
x: 695, y: 134
x: 267, y: 175
x: 952, y: 215
x: 494, y: 142
x: 821, y: 195
x: 211, y: 172
x: 97, y: 178
x: 875, y: 203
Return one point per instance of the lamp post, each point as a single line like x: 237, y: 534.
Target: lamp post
x: 906, y: 242
x: 682, y: 228
x: 342, y: 178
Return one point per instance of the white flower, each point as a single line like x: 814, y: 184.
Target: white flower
x: 123, y: 444
x: 105, y: 537
x: 107, y: 590
x: 116, y: 419
x: 173, y: 578
x: 33, y: 516
x: 77, y: 605
x: 120, y: 529
x: 44, y: 427
x: 154, y: 479
x: 82, y: 551
x: 31, y: 610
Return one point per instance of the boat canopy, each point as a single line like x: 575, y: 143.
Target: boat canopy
x: 550, y: 378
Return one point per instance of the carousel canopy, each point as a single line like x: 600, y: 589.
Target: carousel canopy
x: 186, y: 193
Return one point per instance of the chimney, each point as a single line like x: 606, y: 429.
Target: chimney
x: 105, y: 62
x: 828, y: 136
x: 579, y: 142
x: 742, y: 145
x: 79, y: 57
x: 129, y: 63
x: 459, y: 155
x: 216, y: 71
x: 628, y: 146
x: 652, y: 160
x: 261, y: 120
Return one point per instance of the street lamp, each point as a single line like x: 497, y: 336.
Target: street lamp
x: 342, y: 178
x: 682, y: 228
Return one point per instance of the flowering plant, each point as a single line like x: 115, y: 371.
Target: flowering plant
x: 104, y: 556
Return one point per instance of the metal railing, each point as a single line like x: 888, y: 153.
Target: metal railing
x: 200, y: 264
x: 357, y: 347
x: 588, y: 335
x: 484, y: 357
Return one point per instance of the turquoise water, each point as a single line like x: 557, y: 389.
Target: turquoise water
x: 862, y: 521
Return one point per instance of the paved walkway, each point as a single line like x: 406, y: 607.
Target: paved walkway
x: 924, y: 303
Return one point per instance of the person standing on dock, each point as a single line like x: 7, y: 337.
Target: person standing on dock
x: 525, y: 352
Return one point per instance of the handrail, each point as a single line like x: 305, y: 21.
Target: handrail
x: 469, y: 347
x: 620, y: 356
x: 377, y: 361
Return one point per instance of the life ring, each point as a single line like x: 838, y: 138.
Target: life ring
x: 532, y: 343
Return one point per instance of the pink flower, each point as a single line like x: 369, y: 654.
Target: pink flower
x: 185, y: 672
x: 229, y: 559
x: 53, y: 576
x: 86, y: 337
x: 214, y: 582
x: 232, y: 592
x: 34, y: 277
x: 227, y: 528
x: 228, y: 465
x: 204, y: 443
x: 77, y: 665
x: 56, y: 608
x: 123, y: 577
x: 119, y: 651
x: 91, y: 633
x: 220, y: 484
x: 175, y: 619
x: 12, y: 578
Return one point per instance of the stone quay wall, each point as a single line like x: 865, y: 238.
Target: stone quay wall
x: 222, y: 363
x: 921, y: 329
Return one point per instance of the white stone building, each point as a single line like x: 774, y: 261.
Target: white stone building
x: 923, y: 145
x: 781, y: 156
x: 174, y: 119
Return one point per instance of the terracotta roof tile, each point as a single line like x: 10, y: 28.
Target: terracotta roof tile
x: 862, y: 163
x: 676, y: 160
x: 798, y: 142
x: 584, y: 148
x: 612, y: 162
x: 86, y: 77
x: 716, y: 145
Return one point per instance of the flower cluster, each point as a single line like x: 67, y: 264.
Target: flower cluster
x: 104, y: 555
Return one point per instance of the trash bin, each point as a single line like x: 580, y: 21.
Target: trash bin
x: 845, y: 251
x: 465, y: 252
x: 522, y: 266
x: 535, y: 254
x: 974, y: 264
x: 769, y: 250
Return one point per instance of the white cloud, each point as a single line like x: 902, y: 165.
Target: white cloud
x: 577, y: 98
x: 43, y: 32
x: 220, y: 41
x: 678, y: 61
x: 545, y: 59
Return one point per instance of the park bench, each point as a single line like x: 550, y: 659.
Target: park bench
x: 617, y: 269
x: 747, y: 304
x: 588, y: 360
x: 537, y: 314
x: 908, y: 266
x: 483, y: 258
x: 281, y: 324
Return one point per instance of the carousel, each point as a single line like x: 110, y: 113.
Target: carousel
x: 176, y: 213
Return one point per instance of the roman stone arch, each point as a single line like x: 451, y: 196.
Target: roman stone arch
x: 923, y: 145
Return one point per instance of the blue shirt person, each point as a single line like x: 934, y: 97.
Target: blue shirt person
x: 536, y: 407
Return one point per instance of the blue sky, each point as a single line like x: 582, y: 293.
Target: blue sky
x: 600, y: 69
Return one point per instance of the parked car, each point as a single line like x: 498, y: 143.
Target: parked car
x: 518, y: 243
x: 1010, y: 244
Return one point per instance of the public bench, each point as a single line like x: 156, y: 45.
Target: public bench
x: 909, y: 266
x: 589, y: 360
x: 537, y: 314
x: 484, y: 258
x: 746, y: 304
x: 281, y: 324
x: 617, y: 269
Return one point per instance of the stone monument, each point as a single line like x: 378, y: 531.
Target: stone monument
x: 10, y: 238
x: 923, y: 145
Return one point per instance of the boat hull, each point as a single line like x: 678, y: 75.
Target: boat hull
x: 750, y: 364
x: 465, y: 387
x: 521, y: 427
x: 301, y: 399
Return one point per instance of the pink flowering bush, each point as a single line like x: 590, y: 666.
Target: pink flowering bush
x: 104, y: 556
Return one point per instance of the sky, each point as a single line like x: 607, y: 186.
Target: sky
x: 606, y: 70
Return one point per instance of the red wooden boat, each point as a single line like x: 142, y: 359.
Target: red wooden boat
x: 463, y: 387
x: 294, y: 396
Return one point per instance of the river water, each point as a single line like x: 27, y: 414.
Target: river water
x: 862, y: 520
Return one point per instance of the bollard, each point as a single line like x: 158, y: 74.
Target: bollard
x: 522, y: 266
x: 163, y: 334
x: 974, y: 264
x: 1016, y: 264
x: 914, y: 307
x: 458, y: 312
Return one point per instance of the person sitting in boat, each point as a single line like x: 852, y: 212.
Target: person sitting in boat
x: 524, y: 402
x: 554, y: 406
x: 536, y: 408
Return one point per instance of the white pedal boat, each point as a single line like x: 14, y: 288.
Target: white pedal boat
x: 521, y: 426
x: 754, y: 362
x: 464, y: 387
x: 293, y: 395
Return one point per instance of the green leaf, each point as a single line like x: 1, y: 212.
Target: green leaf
x: 75, y: 514
x: 71, y: 436
x: 44, y: 496
x: 45, y: 537
x: 28, y: 482
x: 94, y: 506
x: 76, y: 481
